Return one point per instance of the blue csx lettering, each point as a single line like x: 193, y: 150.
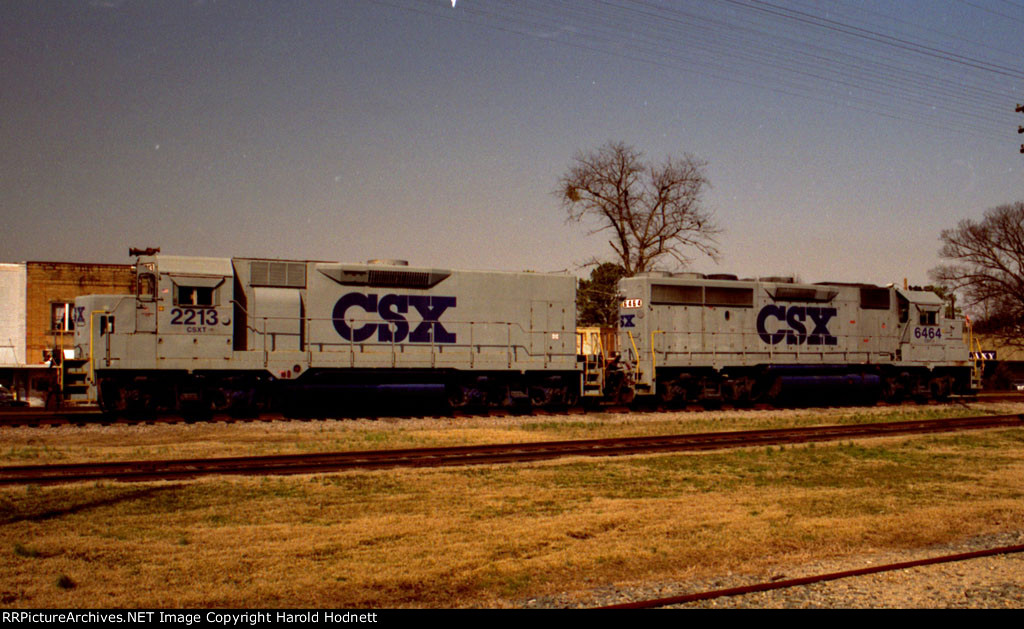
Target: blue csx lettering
x: 79, y: 316
x: 796, y: 318
x: 392, y: 308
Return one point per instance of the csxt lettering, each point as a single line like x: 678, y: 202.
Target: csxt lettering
x: 393, y: 308
x: 792, y: 324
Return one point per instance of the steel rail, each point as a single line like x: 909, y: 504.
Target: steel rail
x: 477, y: 455
x: 819, y: 578
x: 85, y: 416
x: 35, y: 417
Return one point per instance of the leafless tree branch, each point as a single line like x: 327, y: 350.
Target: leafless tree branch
x: 986, y: 265
x: 653, y: 211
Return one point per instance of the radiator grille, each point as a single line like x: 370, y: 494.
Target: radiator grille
x: 277, y: 274
x: 399, y: 279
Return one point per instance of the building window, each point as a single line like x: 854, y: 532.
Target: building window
x: 60, y: 317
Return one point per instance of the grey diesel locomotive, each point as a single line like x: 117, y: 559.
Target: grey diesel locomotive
x: 237, y: 334
x: 691, y: 337
x: 243, y: 335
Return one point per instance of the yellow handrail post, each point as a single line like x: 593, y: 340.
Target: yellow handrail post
x: 978, y: 360
x: 636, y: 352
x: 654, y: 372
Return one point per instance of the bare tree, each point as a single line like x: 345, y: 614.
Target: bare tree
x: 987, y: 268
x: 651, y: 210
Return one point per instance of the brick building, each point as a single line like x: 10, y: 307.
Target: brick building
x: 51, y: 288
x: 35, y: 322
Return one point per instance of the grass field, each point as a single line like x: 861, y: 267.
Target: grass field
x: 483, y: 536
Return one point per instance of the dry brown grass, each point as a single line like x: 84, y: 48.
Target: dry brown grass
x: 27, y: 446
x: 486, y: 536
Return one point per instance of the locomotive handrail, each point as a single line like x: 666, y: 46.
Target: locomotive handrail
x: 692, y: 347
x: 978, y: 360
x: 92, y: 343
x: 511, y: 349
x: 394, y: 348
x: 636, y: 352
x: 654, y: 354
x: 797, y: 348
x: 263, y: 333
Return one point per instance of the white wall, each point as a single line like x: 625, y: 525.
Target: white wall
x: 12, y: 314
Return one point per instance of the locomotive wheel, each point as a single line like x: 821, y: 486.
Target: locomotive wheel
x: 499, y: 397
x: 456, y: 396
x: 571, y: 396
x: 626, y: 395
x: 617, y: 389
x: 940, y: 387
x: 111, y: 397
x: 920, y: 389
x: 668, y: 392
x: 541, y: 397
x: 737, y: 390
x: 891, y: 390
x: 765, y: 390
x: 470, y: 394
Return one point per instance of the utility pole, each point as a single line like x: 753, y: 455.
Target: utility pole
x: 1020, y: 129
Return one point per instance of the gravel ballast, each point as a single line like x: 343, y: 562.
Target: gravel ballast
x: 995, y: 582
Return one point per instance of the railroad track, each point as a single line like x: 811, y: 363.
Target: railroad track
x: 818, y: 578
x: 33, y: 417
x: 177, y: 469
x: 96, y: 418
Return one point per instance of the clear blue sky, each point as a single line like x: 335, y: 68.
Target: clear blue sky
x: 841, y: 137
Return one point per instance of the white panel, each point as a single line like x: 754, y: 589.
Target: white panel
x: 12, y: 314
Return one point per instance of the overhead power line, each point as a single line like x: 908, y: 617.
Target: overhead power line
x: 874, y: 36
x: 783, y: 49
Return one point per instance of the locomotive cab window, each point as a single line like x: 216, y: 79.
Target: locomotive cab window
x: 875, y: 299
x: 147, y: 287
x: 193, y: 296
x: 929, y: 318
